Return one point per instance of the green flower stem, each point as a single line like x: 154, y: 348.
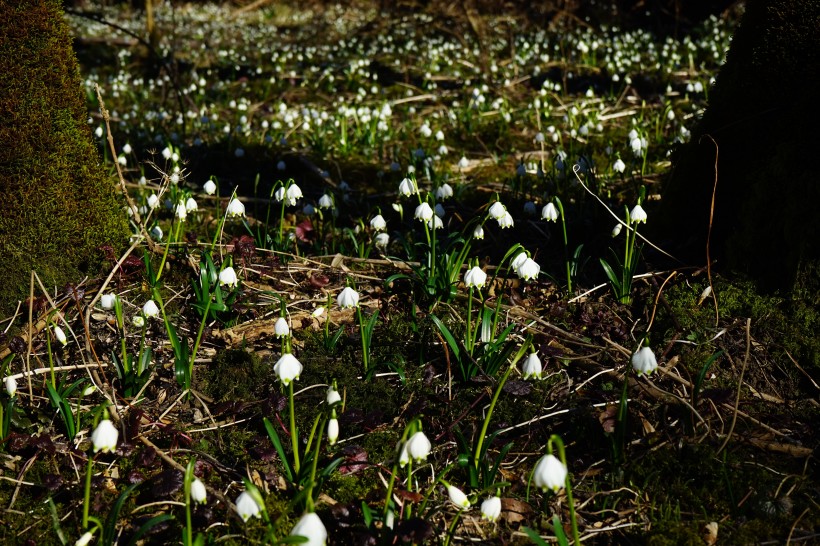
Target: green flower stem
x: 468, y: 334
x: 309, y: 493
x: 485, y: 426
x: 451, y: 531
x: 189, y: 534
x: 294, y: 434
x: 568, y: 485
x: 566, y: 244
x: 50, y: 360
x: 199, y: 337
x: 171, y: 240
x: 365, y: 347
x: 87, y: 492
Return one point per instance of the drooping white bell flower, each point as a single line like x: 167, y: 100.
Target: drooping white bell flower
x: 519, y: 259
x: 325, y: 202
x: 378, y: 223
x: 458, y: 497
x: 424, y: 212
x: 311, y: 527
x: 407, y: 187
x: 549, y: 473
x: 180, y: 211
x: 347, y: 298
x: 491, y: 508
x: 104, y: 438
x: 435, y: 223
x: 444, y: 192
x: 236, y: 208
x: 549, y: 212
x: 107, y: 301
x: 293, y: 194
x: 333, y: 396
x: 287, y: 369
x: 209, y: 187
x: 60, y: 335
x: 478, y: 232
x: 382, y: 240
x: 619, y: 166
x: 332, y: 431
x: 416, y: 448
x: 529, y: 269
x: 506, y: 221
x: 644, y: 361
x: 497, y: 210
x: 475, y: 277
x: 616, y: 230
x: 227, y: 277
x: 85, y: 539
x: 150, y: 309
x: 11, y: 385
x: 247, y: 507
x: 153, y: 201
x: 463, y: 163
x: 637, y: 215
x: 190, y: 205
x: 198, y: 492
x: 138, y: 321
x: 281, y: 328
x: 532, y: 369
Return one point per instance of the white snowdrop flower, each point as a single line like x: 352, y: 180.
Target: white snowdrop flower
x: 636, y: 146
x: 104, y: 438
x: 347, y: 298
x: 491, y: 508
x: 126, y: 149
x: 190, y: 205
x: 458, y: 497
x: 616, y: 230
x: 444, y: 192
x: 150, y: 309
x: 382, y: 240
x: 475, y: 277
x: 506, y: 221
x: 281, y: 328
x: 198, y: 492
x: 60, y: 335
x: 333, y: 396
x: 497, y: 210
x: 293, y: 194
x: 529, y: 269
x: 227, y: 277
x: 310, y: 526
x: 209, y: 187
x: 138, y: 321
x: 416, y: 448
x: 99, y: 132
x: 550, y: 473
x: 287, y: 368
x: 11, y: 385
x: 332, y: 431
x: 279, y: 194
x: 407, y: 187
x: 153, y: 201
x: 435, y: 223
x: 325, y: 202
x: 425, y: 130
x: 644, y: 361
x: 549, y: 212
x: 619, y: 166
x: 424, y: 212
x: 463, y: 163
x: 638, y: 215
x: 442, y: 150
x: 122, y: 160
x: 107, y: 301
x: 532, y: 368
x: 478, y: 232
x: 439, y: 135
x: 236, y: 208
x: 378, y: 223
x: 518, y: 260
x: 85, y: 539
x: 247, y: 507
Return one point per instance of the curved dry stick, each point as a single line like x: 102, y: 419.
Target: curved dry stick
x: 709, y: 232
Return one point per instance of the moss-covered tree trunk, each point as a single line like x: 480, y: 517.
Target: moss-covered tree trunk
x: 763, y: 115
x: 57, y: 202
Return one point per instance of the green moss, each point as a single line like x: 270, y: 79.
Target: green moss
x: 236, y: 374
x: 58, y: 205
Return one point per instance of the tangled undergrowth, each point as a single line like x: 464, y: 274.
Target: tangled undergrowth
x: 324, y: 313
